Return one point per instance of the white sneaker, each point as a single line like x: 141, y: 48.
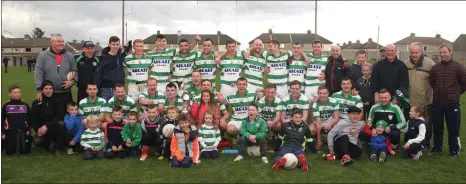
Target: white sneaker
x: 69, y: 151
x: 238, y: 158
x: 417, y: 156
x: 264, y: 159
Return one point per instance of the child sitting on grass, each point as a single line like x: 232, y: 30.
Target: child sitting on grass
x: 295, y: 135
x: 184, y: 144
x: 209, y: 136
x: 132, y: 134
x: 415, y: 135
x: 115, y: 143
x: 171, y: 118
x: 253, y: 131
x: 74, y: 127
x: 93, y: 139
x: 151, y: 126
x: 380, y: 143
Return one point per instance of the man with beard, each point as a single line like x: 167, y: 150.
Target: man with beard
x: 92, y: 105
x: 183, y: 62
x: 254, y: 66
x: 152, y: 96
x: 336, y: 69
x: 205, y: 61
x: 195, y: 87
x: 121, y: 99
x: 87, y: 65
x: 347, y: 99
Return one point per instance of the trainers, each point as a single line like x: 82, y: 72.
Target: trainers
x: 143, y: 157
x: 382, y: 157
x: 417, y: 155
x: 281, y: 162
x: 264, y: 159
x: 394, y: 147
x: 303, y: 161
x: 346, y: 160
x: 69, y: 151
x: 238, y: 158
x: 374, y: 157
x: 454, y: 155
x: 433, y: 153
x: 160, y: 157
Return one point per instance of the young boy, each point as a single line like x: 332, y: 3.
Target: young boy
x: 253, y: 132
x: 74, y: 127
x: 151, y: 131
x: 93, y: 139
x: 15, y: 129
x: 184, y: 145
x: 132, y: 134
x: 363, y: 85
x: 171, y: 118
x: 380, y: 143
x: 295, y: 136
x: 115, y: 144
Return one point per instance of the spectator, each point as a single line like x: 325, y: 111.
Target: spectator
x: 58, y: 66
x: 87, y: 65
x: 356, y: 67
x: 5, y: 63
x: 382, y: 53
x: 337, y: 67
x: 420, y: 91
x: 29, y: 63
x: 448, y: 80
x: 33, y: 63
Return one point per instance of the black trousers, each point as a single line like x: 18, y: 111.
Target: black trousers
x: 55, y: 134
x: 152, y: 139
x: 89, y: 154
x: 165, y: 143
x: 68, y: 138
x: 210, y: 154
x: 17, y: 141
x: 378, y: 151
x: 81, y: 94
x: 343, y: 146
x: 243, y: 143
x: 29, y: 67
x: 452, y: 115
x: 64, y: 98
x: 367, y: 109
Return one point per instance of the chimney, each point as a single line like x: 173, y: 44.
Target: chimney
x: 344, y: 43
x: 75, y: 41
x: 412, y: 35
x: 437, y: 36
x: 219, y: 33
x: 370, y: 40
x: 27, y: 36
x: 358, y: 41
x: 270, y: 31
x: 270, y: 34
x: 158, y: 32
x: 309, y: 32
x: 349, y: 42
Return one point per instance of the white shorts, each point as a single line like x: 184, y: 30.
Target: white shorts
x: 162, y: 88
x: 228, y: 90
x: 236, y: 123
x: 311, y: 92
x: 252, y: 88
x: 282, y: 91
x: 134, y: 92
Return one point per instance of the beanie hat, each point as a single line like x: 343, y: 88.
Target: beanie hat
x: 382, y: 123
x: 46, y: 83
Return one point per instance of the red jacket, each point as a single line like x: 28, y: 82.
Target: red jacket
x: 368, y: 131
x: 198, y: 111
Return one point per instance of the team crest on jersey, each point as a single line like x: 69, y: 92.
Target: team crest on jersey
x: 300, y: 129
x: 257, y: 125
x: 390, y: 117
x: 94, y: 63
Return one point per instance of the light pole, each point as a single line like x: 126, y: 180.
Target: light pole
x: 315, y: 26
x: 378, y: 32
x: 127, y: 27
x: 11, y: 36
x: 123, y: 22
x: 179, y: 34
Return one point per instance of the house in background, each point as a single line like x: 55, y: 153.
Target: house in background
x: 219, y: 39
x: 287, y: 39
x: 459, y: 48
x: 431, y: 46
x: 20, y: 49
x: 349, y: 50
x: 78, y: 47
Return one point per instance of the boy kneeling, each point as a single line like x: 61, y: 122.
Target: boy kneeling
x: 295, y: 134
x: 184, y: 144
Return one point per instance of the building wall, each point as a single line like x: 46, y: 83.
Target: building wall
x: 21, y: 50
x: 459, y: 56
x: 351, y: 54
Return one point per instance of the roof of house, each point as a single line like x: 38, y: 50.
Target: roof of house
x: 361, y: 46
x: 79, y: 46
x: 437, y: 40
x: 219, y: 38
x: 304, y: 38
x: 460, y: 43
x: 25, y: 42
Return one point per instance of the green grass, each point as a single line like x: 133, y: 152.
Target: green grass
x: 40, y: 166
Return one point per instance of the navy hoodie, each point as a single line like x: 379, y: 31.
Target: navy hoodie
x: 110, y: 69
x: 14, y: 115
x: 114, y: 137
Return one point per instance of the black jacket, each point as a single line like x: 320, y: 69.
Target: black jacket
x: 295, y: 135
x: 110, y: 69
x: 15, y: 115
x: 365, y: 90
x: 356, y: 72
x: 114, y: 137
x: 46, y: 112
x: 413, y: 128
x: 86, y: 69
x: 153, y: 127
x: 390, y: 75
x: 335, y: 71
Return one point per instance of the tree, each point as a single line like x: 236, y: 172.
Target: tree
x: 38, y: 33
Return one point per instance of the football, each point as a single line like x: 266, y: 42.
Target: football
x: 168, y: 130
x: 291, y: 161
x: 254, y: 151
x: 70, y: 75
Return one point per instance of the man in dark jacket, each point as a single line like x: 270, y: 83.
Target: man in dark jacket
x: 110, y: 69
x: 87, y: 65
x: 5, y: 63
x: 336, y: 69
x: 448, y: 81
x: 356, y: 67
x: 46, y: 119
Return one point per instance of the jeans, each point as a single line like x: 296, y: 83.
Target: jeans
x: 452, y: 114
x: 106, y: 93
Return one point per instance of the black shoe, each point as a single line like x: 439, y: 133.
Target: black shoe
x: 454, y: 155
x: 434, y: 153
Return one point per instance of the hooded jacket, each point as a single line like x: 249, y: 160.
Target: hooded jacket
x: 185, y: 144
x: 113, y: 134
x: 110, y: 69
x: 132, y: 132
x: 73, y: 123
x: 46, y: 112
x: 258, y: 128
x: 54, y: 67
x: 335, y: 71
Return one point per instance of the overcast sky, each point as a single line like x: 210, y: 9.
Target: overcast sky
x: 337, y: 21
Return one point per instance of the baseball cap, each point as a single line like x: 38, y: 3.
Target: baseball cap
x: 88, y: 44
x: 354, y: 109
x: 382, y: 49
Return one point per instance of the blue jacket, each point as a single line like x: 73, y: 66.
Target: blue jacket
x: 378, y: 142
x: 73, y: 123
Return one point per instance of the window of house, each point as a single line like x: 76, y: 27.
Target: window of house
x: 2, y: 50
x: 16, y: 50
x: 282, y: 45
x: 44, y: 49
x: 28, y: 49
x: 425, y: 48
x: 146, y: 47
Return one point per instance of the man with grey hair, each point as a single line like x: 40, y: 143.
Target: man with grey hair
x: 336, y: 69
x: 420, y: 91
x: 448, y: 81
x: 57, y: 65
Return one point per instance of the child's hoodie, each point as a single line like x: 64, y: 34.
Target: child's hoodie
x: 73, y: 123
x: 132, y: 132
x: 185, y: 144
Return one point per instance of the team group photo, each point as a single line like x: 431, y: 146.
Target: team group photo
x: 277, y: 110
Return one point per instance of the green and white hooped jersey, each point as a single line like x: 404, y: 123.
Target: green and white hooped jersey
x: 297, y: 71
x: 254, y: 68
x: 345, y: 103
x: 138, y: 68
x: 207, y: 66
x: 178, y: 103
x: 302, y: 103
x: 325, y: 111
x: 231, y: 68
x: 161, y: 64
x: 315, y: 68
x: 87, y: 108
x: 157, y: 99
x: 269, y: 110
x: 183, y: 66
x: 127, y: 104
x: 278, y: 68
x: 239, y: 104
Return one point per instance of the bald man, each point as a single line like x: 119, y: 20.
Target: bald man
x: 390, y: 73
x: 254, y: 67
x: 336, y: 69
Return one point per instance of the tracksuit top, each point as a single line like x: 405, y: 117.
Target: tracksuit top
x: 295, y: 135
x: 185, y: 144
x: 113, y: 133
x: 15, y: 115
x: 152, y: 127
